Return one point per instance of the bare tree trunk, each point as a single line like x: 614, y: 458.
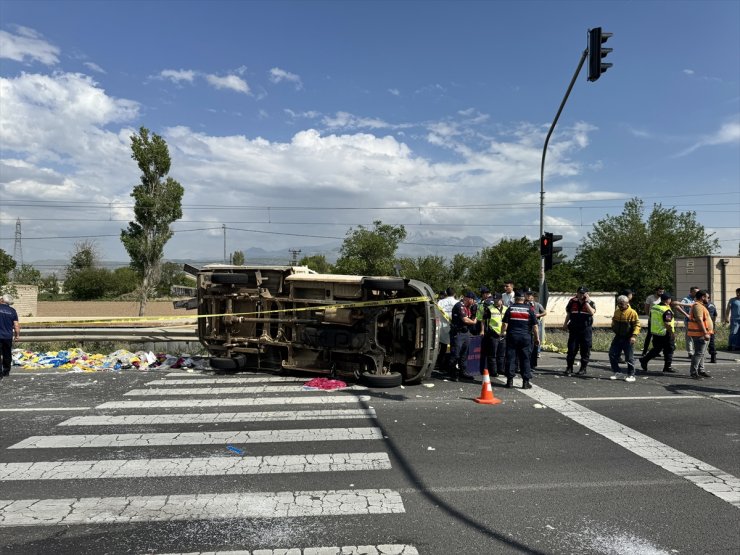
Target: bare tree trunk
x: 143, y: 294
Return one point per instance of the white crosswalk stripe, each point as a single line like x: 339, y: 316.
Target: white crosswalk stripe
x: 228, y: 390
x: 217, y: 417
x: 74, y: 477
x: 51, y: 512
x: 233, y: 402
x: 190, y: 466
x: 382, y: 549
x: 197, y: 438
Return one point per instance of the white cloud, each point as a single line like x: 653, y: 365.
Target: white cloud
x: 27, y: 45
x: 689, y: 71
x: 178, y: 75
x: 94, y: 67
x: 230, y: 82
x: 345, y: 120
x: 727, y: 134
x: 278, y: 75
x: 394, y: 92
x: 79, y: 150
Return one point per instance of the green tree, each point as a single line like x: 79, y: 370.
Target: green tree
x: 49, y: 287
x: 318, y: 263
x: 564, y: 278
x: 370, y: 252
x: 7, y: 265
x: 158, y: 203
x: 431, y: 269
x: 27, y: 275
x: 88, y: 284
x: 237, y: 259
x: 173, y: 274
x: 84, y: 256
x: 632, y: 251
x: 517, y: 260
x: 121, y: 282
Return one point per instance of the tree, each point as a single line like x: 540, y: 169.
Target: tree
x: 318, y: 263
x: 7, y: 265
x: 517, y: 260
x: 49, y: 287
x: 158, y: 203
x: 370, y: 252
x: 173, y: 274
x: 27, y: 275
x: 237, y: 259
x: 431, y: 269
x: 87, y: 284
x: 631, y: 251
x: 85, y: 256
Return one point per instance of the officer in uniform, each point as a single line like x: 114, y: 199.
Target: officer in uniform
x: 519, y: 327
x: 579, y: 320
x: 460, y: 336
x: 663, y: 330
x: 491, y: 314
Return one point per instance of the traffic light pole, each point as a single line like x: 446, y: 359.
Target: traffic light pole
x: 542, y: 168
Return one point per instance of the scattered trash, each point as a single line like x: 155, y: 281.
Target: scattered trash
x: 549, y: 527
x: 403, y: 387
x: 538, y: 406
x: 324, y: 384
x: 235, y: 449
x: 431, y: 448
x: 77, y: 360
x: 428, y: 384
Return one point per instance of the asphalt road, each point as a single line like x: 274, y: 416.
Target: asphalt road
x: 170, y: 462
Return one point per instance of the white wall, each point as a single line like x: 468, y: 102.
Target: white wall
x: 556, y: 303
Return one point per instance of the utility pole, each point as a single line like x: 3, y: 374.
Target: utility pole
x: 595, y: 52
x: 223, y: 227
x: 295, y: 253
x: 18, y: 247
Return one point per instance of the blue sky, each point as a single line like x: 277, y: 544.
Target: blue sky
x: 431, y: 114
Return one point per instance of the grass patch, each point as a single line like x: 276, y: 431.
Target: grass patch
x: 602, y: 339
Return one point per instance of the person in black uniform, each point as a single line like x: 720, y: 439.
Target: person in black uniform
x: 579, y: 320
x: 520, y: 329
x: 460, y: 324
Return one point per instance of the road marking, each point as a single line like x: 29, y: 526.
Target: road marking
x: 217, y: 417
x: 228, y: 380
x: 211, y: 506
x: 44, y: 409
x: 637, y: 398
x: 230, y: 390
x: 193, y: 466
x: 198, y: 438
x: 234, y: 402
x: 382, y: 549
x: 711, y: 479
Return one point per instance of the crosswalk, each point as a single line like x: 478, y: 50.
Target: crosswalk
x: 191, y: 434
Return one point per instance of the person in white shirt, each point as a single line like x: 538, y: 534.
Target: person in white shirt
x: 445, y: 306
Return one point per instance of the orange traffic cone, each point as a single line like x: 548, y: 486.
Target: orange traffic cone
x: 486, y: 394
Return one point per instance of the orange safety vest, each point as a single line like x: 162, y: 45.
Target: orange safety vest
x: 694, y: 328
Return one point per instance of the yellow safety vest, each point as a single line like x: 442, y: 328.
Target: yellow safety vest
x: 497, y: 317
x: 657, y: 325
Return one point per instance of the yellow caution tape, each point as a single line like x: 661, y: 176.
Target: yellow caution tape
x: 140, y: 319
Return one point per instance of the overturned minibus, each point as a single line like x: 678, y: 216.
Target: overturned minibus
x: 384, y: 331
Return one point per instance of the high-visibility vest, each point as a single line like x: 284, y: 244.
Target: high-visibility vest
x: 657, y: 325
x: 694, y: 330
x: 493, y: 319
x: 497, y: 316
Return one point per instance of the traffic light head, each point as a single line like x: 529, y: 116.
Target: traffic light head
x: 596, y: 53
x: 548, y: 249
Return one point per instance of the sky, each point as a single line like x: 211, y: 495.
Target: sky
x: 290, y: 123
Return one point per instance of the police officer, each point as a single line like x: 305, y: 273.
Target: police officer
x: 519, y: 327
x: 460, y: 335
x: 579, y: 320
x: 491, y: 314
x: 663, y: 330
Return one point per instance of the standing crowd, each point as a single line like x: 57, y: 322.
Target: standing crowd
x: 510, y: 326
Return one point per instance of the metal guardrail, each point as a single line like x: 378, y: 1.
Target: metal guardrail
x: 133, y: 335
